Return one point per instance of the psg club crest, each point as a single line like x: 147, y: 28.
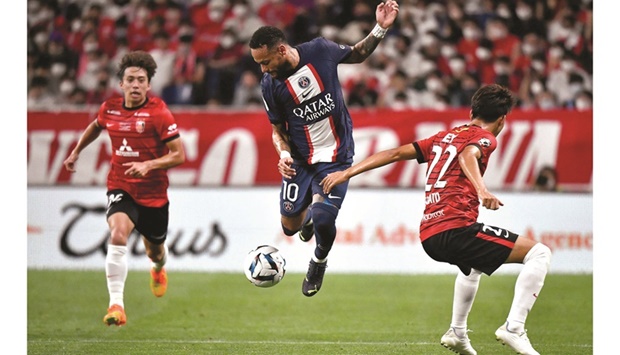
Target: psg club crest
x: 303, y: 82
x: 140, y: 126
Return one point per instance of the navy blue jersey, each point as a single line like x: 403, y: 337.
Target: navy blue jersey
x: 310, y: 106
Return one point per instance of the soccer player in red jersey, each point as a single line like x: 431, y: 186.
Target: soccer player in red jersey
x: 145, y: 143
x: 449, y: 230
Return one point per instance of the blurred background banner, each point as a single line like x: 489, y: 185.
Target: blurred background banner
x: 212, y: 229
x: 228, y: 148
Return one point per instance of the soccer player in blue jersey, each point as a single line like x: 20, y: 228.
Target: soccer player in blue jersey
x: 312, y: 128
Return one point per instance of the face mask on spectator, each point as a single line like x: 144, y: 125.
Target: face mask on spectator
x: 427, y: 66
x: 76, y: 25
x: 427, y: 40
x: 583, y: 104
x: 216, y: 15
x: 90, y: 47
x: 494, y: 33
x: 66, y: 87
x: 500, y: 69
x: 536, y: 87
x: 524, y: 13
x: 434, y: 84
x: 503, y: 12
x: 448, y: 51
x: 470, y: 33
x: 92, y: 67
x: 483, y: 53
x: 227, y: 41
x: 546, y: 104
x: 142, y: 14
x: 567, y: 65
x: 40, y: 39
x: 240, y: 10
x: 575, y: 88
x: 528, y: 49
x: 555, y: 52
x: 58, y: 69
x: 538, y: 65
x: 456, y: 65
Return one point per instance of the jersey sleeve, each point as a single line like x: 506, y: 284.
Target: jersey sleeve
x: 423, y: 147
x: 336, y: 52
x: 486, y: 142
x: 100, y: 117
x: 273, y: 112
x: 166, y: 125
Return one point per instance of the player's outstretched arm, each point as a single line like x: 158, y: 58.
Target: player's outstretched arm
x: 404, y: 152
x: 91, y: 133
x: 468, y: 160
x: 174, y: 157
x: 386, y: 15
x: 280, y: 142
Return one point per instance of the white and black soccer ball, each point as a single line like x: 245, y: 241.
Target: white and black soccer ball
x: 264, y: 266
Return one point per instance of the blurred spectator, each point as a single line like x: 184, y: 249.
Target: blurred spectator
x: 566, y: 80
x: 102, y: 90
x: 208, y: 20
x: 546, y: 180
x: 398, y: 94
x: 545, y: 100
x: 548, y: 43
x: 138, y: 34
x: 77, y: 97
x: 505, y: 44
x: 583, y: 101
x: 363, y: 90
x: 248, y: 91
x: 243, y: 21
x: 180, y: 91
x: 222, y: 67
x: 39, y: 97
x: 278, y: 13
x: 527, y: 20
x: 164, y: 56
x: 469, y: 43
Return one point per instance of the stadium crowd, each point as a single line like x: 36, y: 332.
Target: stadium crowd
x: 435, y: 57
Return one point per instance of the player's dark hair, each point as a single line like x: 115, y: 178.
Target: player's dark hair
x: 140, y: 59
x: 267, y: 36
x: 491, y: 102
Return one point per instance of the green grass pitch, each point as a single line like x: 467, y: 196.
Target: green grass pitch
x: 222, y: 313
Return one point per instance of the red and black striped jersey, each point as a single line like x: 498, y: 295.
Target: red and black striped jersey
x: 138, y: 134
x: 451, y: 199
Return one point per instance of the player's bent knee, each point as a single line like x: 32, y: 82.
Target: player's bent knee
x: 540, y: 253
x: 287, y: 231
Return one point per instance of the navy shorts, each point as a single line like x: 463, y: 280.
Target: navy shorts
x: 151, y: 222
x: 477, y: 246
x: 296, y: 193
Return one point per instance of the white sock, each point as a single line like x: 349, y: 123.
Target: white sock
x: 529, y: 283
x: 160, y: 264
x: 317, y: 260
x: 465, y: 288
x: 116, y: 272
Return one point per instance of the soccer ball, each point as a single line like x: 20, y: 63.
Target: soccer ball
x: 264, y: 266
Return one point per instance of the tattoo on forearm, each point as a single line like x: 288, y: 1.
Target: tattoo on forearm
x: 364, y: 48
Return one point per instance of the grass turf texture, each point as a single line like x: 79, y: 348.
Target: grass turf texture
x: 222, y: 313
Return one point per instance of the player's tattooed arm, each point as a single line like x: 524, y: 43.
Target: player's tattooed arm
x: 363, y: 49
x: 386, y: 14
